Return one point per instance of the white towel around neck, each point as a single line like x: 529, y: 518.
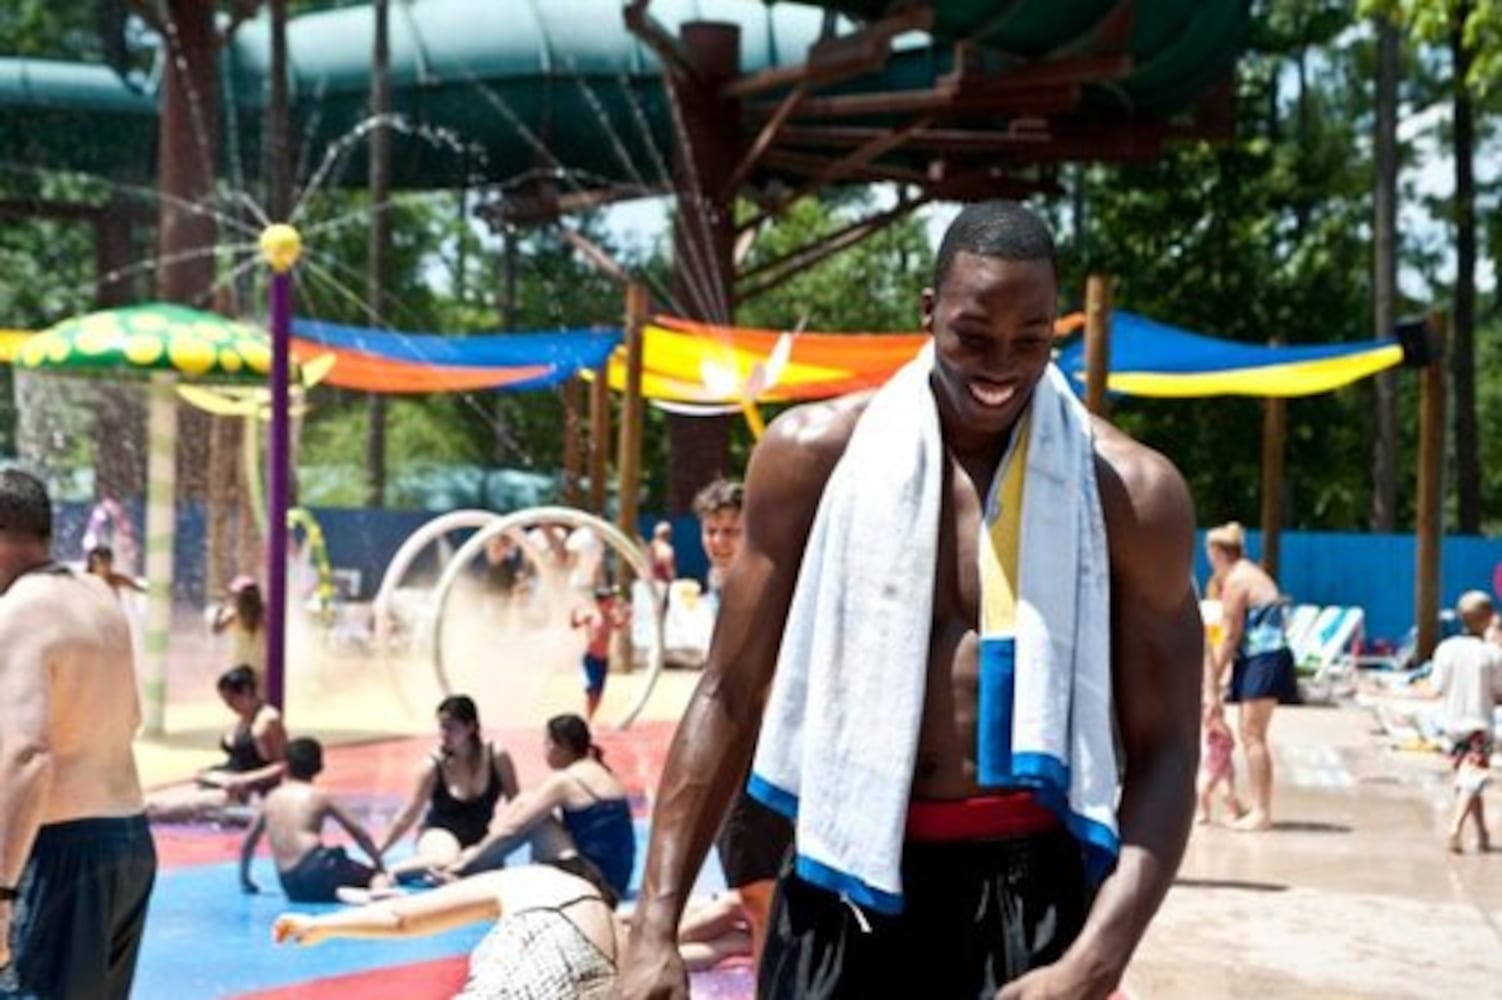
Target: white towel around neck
x: 840, y: 732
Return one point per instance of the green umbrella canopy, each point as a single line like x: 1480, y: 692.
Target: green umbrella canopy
x: 155, y: 336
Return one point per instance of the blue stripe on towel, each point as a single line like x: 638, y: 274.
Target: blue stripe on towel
x: 817, y: 873
x: 772, y: 797
x: 998, y: 683
x: 847, y: 886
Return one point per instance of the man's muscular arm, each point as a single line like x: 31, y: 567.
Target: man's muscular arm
x: 1157, y: 648
x: 715, y: 739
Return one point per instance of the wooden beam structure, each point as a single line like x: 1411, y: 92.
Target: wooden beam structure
x: 573, y: 402
x: 765, y: 276
x: 1274, y: 466
x: 599, y: 438
x: 1429, y: 531
x: 1097, y: 341
x: 628, y: 457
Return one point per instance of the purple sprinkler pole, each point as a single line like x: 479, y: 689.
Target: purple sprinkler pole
x: 280, y: 246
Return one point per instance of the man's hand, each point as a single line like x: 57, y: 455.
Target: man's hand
x: 5, y: 906
x: 653, y: 970
x: 1063, y: 980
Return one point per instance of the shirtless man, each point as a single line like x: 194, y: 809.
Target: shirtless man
x: 293, y: 814
x: 76, y: 858
x: 991, y: 312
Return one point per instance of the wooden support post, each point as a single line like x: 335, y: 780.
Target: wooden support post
x: 1274, y: 460
x: 1429, y: 531
x: 628, y: 459
x: 706, y: 149
x: 599, y: 438
x: 573, y: 401
x: 1097, y: 341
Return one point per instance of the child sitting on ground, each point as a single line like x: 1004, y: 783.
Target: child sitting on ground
x: 294, y: 815
x: 1216, y: 765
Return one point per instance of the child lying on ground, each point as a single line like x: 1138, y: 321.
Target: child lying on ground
x: 293, y: 814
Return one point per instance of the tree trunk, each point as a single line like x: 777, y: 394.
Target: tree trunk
x: 187, y: 137
x: 1384, y: 512
x: 120, y: 420
x: 1463, y: 326
x: 380, y: 237
x: 500, y: 451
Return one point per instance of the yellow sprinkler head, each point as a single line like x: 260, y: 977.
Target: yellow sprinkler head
x: 281, y: 245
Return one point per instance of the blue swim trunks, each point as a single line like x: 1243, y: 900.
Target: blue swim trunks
x: 594, y: 673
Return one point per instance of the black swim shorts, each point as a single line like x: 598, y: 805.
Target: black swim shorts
x: 77, y: 923
x: 321, y: 871
x: 753, y: 842
x: 976, y: 915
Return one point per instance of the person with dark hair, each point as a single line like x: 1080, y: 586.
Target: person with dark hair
x: 583, y: 797
x: 243, y: 615
x: 100, y: 562
x: 77, y: 862
x: 555, y: 935
x: 293, y: 815
x: 959, y: 603
x: 460, y: 785
x: 600, y: 622
x: 255, y: 757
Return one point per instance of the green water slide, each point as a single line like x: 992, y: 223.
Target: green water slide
x: 491, y: 90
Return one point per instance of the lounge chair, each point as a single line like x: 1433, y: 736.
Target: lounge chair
x: 1325, y: 655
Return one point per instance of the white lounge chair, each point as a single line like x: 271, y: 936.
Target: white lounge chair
x: 1325, y: 655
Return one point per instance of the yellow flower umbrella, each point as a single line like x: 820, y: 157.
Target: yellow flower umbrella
x: 169, y: 342
x: 156, y: 337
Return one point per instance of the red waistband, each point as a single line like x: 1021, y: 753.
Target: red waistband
x: 983, y: 817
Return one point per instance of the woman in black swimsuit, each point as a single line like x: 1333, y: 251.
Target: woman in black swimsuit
x: 255, y: 755
x: 459, y: 787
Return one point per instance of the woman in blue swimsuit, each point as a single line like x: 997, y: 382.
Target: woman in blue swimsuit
x: 582, y: 799
x: 1255, y: 648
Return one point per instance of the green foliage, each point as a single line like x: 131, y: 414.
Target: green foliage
x: 872, y: 287
x: 1433, y: 21
x: 1263, y: 238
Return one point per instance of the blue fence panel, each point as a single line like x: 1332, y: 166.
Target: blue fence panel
x: 1374, y: 572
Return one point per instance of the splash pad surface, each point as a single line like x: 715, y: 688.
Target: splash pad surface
x: 204, y: 938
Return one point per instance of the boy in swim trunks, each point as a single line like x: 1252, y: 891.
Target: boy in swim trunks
x: 293, y: 814
x: 601, y: 621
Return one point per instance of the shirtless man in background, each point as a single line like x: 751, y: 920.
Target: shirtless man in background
x: 76, y: 858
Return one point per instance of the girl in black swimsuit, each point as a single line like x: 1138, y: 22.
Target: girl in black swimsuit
x: 459, y: 788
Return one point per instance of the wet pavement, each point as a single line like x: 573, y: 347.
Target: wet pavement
x: 1350, y: 895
